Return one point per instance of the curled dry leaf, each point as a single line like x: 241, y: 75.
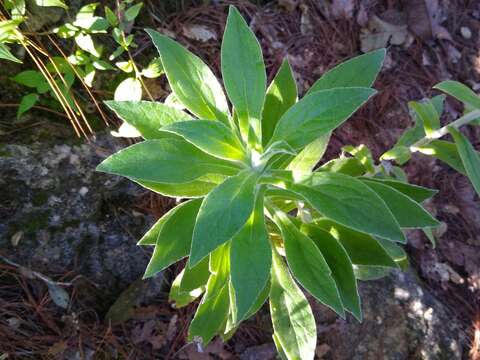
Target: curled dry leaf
x: 424, y: 19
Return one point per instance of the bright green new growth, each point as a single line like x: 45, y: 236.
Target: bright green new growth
x: 261, y: 222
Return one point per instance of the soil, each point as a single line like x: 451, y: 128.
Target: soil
x: 61, y: 222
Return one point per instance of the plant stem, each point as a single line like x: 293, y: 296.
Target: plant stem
x: 464, y: 120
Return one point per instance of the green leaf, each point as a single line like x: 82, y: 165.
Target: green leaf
x: 7, y: 55
x: 366, y: 273
x: 147, y: 116
x: 347, y: 165
x: 251, y: 259
x: 281, y: 95
x: 129, y: 89
x: 319, y: 113
x: 426, y: 112
x: 351, y: 203
x: 132, y: 12
x: 460, y: 92
x: 223, y: 213
x: 210, y: 136
x: 306, y: 160
x: 417, y: 193
x: 308, y: 265
x: 28, y: 101
x: 174, y: 238
x: 340, y: 264
x: 243, y: 72
x: 111, y: 17
x: 164, y: 161
x: 195, y: 277
x: 362, y: 249
x: 407, y: 212
x: 94, y: 24
x: 470, y: 158
x: 212, y: 312
x: 192, y: 189
x: 154, y: 69
x: 191, y: 80
x: 85, y: 42
x: 445, y: 151
x: 293, y: 322
x: 360, y: 71
x: 29, y: 78
x: 181, y: 298
x: 56, y: 3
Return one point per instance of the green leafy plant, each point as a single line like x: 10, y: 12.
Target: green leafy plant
x: 425, y: 136
x: 260, y: 221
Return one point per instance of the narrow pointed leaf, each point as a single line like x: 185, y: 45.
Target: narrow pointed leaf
x: 351, y: 203
x: 195, y: 277
x: 292, y: 317
x: 213, y: 137
x: 407, y: 212
x: 340, y: 264
x: 426, y: 112
x: 251, y: 258
x: 460, y: 92
x: 212, y: 312
x: 243, y: 71
x: 359, y: 71
x: 361, y: 248
x: 445, y: 151
x: 147, y: 116
x: 164, y: 161
x: 193, y: 83
x: 310, y: 155
x: 281, y: 95
x: 222, y: 214
x: 470, y: 158
x: 417, y: 193
x: 319, y: 113
x: 181, y: 298
x: 308, y: 265
x: 175, y: 237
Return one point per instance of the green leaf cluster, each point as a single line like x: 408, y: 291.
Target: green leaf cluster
x: 258, y: 223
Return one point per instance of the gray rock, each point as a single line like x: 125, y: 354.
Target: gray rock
x: 401, y: 321
x: 72, y: 217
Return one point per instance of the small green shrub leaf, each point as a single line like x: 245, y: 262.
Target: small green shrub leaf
x: 195, y: 277
x: 347, y: 165
x: 212, y: 312
x: 193, y: 83
x: 408, y: 213
x: 319, y: 113
x: 181, y: 298
x: 192, y: 189
x: 243, y: 72
x: 251, y: 258
x: 344, y: 199
x: 292, y: 317
x: 223, y: 213
x: 210, y: 136
x: 27, y: 102
x: 175, y: 237
x: 6, y: 54
x: 340, y: 264
x: 415, y: 192
x: 445, y: 151
x: 359, y: 71
x: 311, y: 154
x: 426, y: 112
x: 308, y: 265
x: 147, y: 116
x: 281, y: 95
x: 361, y: 248
x: 460, y: 92
x: 164, y: 161
x: 470, y: 158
